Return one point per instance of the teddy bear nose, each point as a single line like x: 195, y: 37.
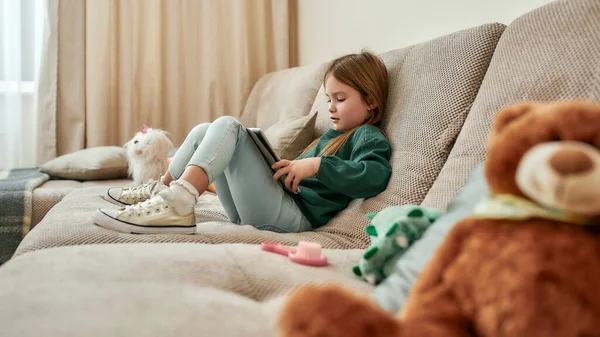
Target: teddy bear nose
x: 571, y: 161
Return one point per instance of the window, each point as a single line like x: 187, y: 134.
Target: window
x: 21, y: 28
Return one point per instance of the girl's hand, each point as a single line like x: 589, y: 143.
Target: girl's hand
x: 296, y: 171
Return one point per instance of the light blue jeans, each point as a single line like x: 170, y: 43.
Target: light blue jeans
x: 242, y: 177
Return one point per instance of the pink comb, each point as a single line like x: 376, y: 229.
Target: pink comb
x: 308, y: 253
x: 145, y: 128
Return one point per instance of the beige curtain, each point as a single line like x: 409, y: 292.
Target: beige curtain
x: 170, y: 64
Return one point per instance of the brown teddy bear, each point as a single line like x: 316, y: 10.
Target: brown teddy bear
x: 527, y: 263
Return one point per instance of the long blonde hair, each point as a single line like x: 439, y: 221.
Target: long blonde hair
x: 365, y: 73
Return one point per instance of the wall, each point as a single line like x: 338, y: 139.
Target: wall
x: 329, y: 28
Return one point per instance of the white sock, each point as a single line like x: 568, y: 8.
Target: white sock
x: 185, y: 195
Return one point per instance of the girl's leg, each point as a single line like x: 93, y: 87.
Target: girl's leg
x: 224, y: 194
x: 224, y: 149
x: 247, y: 190
x: 179, y: 167
x: 170, y: 210
x: 186, y: 151
x: 244, y: 181
x: 166, y: 178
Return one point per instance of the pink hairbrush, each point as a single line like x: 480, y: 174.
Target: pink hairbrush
x: 308, y: 253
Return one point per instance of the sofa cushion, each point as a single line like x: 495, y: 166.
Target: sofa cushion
x: 51, y: 192
x: 290, y: 137
x: 282, y: 95
x: 70, y: 223
x: 94, y: 163
x: 551, y: 53
x: 156, y: 290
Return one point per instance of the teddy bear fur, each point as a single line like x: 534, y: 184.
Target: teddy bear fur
x: 489, y: 277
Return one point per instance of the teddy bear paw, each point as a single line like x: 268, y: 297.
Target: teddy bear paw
x: 330, y: 310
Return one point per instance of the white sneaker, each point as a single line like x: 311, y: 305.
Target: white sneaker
x: 157, y: 215
x: 123, y: 196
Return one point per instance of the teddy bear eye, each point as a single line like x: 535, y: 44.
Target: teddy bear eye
x: 135, y: 142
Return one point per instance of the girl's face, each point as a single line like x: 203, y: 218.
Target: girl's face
x: 347, y: 109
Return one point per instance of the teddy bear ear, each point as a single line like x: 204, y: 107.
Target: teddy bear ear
x: 511, y: 114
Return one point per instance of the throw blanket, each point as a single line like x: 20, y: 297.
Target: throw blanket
x: 16, y: 198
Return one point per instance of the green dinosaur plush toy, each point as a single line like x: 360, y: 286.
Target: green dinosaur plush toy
x: 392, y: 231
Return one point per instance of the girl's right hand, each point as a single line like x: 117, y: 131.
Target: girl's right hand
x: 278, y: 166
x: 296, y: 171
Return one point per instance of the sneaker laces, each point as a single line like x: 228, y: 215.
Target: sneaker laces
x: 153, y: 203
x: 141, y: 192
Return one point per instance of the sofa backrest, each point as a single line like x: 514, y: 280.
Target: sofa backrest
x: 551, y: 53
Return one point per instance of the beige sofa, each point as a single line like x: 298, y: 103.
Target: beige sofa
x: 50, y: 193
x: 72, y: 278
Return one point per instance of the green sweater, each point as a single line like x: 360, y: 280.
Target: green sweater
x: 360, y: 169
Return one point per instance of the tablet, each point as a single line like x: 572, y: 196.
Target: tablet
x: 264, y: 147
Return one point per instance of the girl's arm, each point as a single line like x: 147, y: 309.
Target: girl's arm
x: 364, y: 175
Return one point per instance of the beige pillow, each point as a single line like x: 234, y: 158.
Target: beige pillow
x: 95, y: 163
x: 290, y: 137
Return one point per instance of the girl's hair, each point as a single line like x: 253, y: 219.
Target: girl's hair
x: 365, y: 73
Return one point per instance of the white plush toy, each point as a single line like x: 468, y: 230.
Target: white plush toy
x: 147, y: 154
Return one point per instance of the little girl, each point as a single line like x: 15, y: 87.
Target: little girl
x: 351, y: 160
